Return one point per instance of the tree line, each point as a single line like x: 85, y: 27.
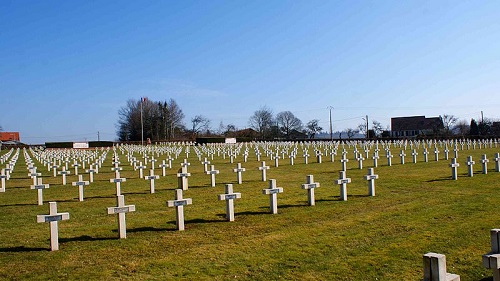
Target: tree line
x: 164, y: 120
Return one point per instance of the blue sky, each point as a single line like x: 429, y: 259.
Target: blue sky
x: 66, y: 67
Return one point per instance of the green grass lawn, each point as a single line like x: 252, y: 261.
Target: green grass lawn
x: 417, y: 209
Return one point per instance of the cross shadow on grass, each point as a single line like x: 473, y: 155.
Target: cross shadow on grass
x: 252, y: 213
x: 14, y: 205
x: 84, y: 238
x: 21, y: 249
x: 147, y: 229
x: 440, y: 179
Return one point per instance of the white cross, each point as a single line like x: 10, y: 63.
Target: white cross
x: 371, y: 177
x: 141, y: 168
x: 342, y: 181
x: 484, y: 162
x: 305, y: 155
x: 53, y: 217
x: 120, y: 211
x: 185, y: 163
x: 2, y: 180
x: 375, y: 159
x: 182, y: 176
x: 263, y: 168
x: 272, y: 191
x: 152, y: 179
x: 229, y: 197
x: 389, y: 158
x: 454, y: 165
x: 117, y: 180
x: 310, y: 185
x: 344, y: 161
x: 470, y: 164
x: 40, y: 187
x: 75, y: 165
x: 205, y: 164
x: 91, y: 172
x: 34, y: 175
x: 163, y: 165
x: 497, y: 162
x: 238, y: 171
x: 64, y: 173
x: 402, y: 155
x: 212, y: 172
x: 414, y: 154
x: 80, y: 183
x: 179, y: 204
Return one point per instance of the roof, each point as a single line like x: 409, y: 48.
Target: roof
x: 416, y: 123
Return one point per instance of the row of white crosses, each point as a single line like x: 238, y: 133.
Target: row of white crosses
x: 470, y: 165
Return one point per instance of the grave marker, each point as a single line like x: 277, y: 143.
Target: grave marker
x: 53, y: 217
x: 484, y: 162
x: 454, y: 165
x: 163, y: 165
x: 491, y: 260
x: 80, y: 183
x: 182, y: 176
x: 470, y: 164
x: 179, y: 204
x: 117, y: 180
x: 212, y: 172
x: 342, y: 181
x: 263, y: 169
x: 435, y: 268
x: 3, y: 176
x: 151, y: 179
x: 272, y: 191
x: 40, y: 187
x: 238, y: 172
x: 310, y: 185
x: 229, y: 197
x: 121, y: 210
x: 371, y: 177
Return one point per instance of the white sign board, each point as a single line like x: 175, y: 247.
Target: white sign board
x: 80, y: 145
x: 230, y: 140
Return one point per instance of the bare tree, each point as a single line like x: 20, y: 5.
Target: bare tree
x: 262, y: 121
x: 351, y: 132
x: 448, y: 122
x: 287, y: 122
x: 461, y: 128
x: 199, y: 124
x: 377, y: 128
x: 312, y: 128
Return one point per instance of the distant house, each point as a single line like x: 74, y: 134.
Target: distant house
x: 9, y: 136
x: 413, y: 126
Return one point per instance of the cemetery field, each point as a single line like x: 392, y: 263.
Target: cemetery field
x: 417, y: 209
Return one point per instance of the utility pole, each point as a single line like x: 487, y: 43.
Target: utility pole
x: 367, y: 130
x: 142, y: 124
x: 331, y: 127
x: 98, y: 139
x: 482, y: 117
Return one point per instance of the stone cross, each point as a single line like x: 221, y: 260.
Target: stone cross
x: 121, y: 210
x: 238, y: 171
x: 182, y: 177
x: 116, y: 168
x: 3, y: 176
x: 229, y: 197
x: 491, y: 260
x: 446, y: 152
x: 80, y: 183
x: 179, y: 204
x: 454, y: 165
x: 272, y: 191
x: 117, y: 180
x: 344, y: 161
x: 64, y: 173
x: 305, y: 155
x: 310, y: 185
x: 389, y: 158
x: 212, y: 172
x: 153, y: 160
x: 470, y: 164
x: 375, y: 159
x: 426, y: 159
x: 291, y: 156
x: 53, y: 217
x: 497, y: 162
x: 152, y: 177
x: 54, y: 169
x: 91, y: 172
x: 342, y: 181
x: 205, y: 164
x: 34, y: 175
x: 435, y: 268
x: 484, y: 162
x: 141, y: 168
x: 436, y: 154
x: 414, y: 154
x: 318, y: 156
x: 402, y: 155
x: 263, y: 169
x: 163, y: 165
x: 371, y: 177
x: 40, y: 187
x: 360, y: 161
x: 276, y: 160
x: 75, y: 165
